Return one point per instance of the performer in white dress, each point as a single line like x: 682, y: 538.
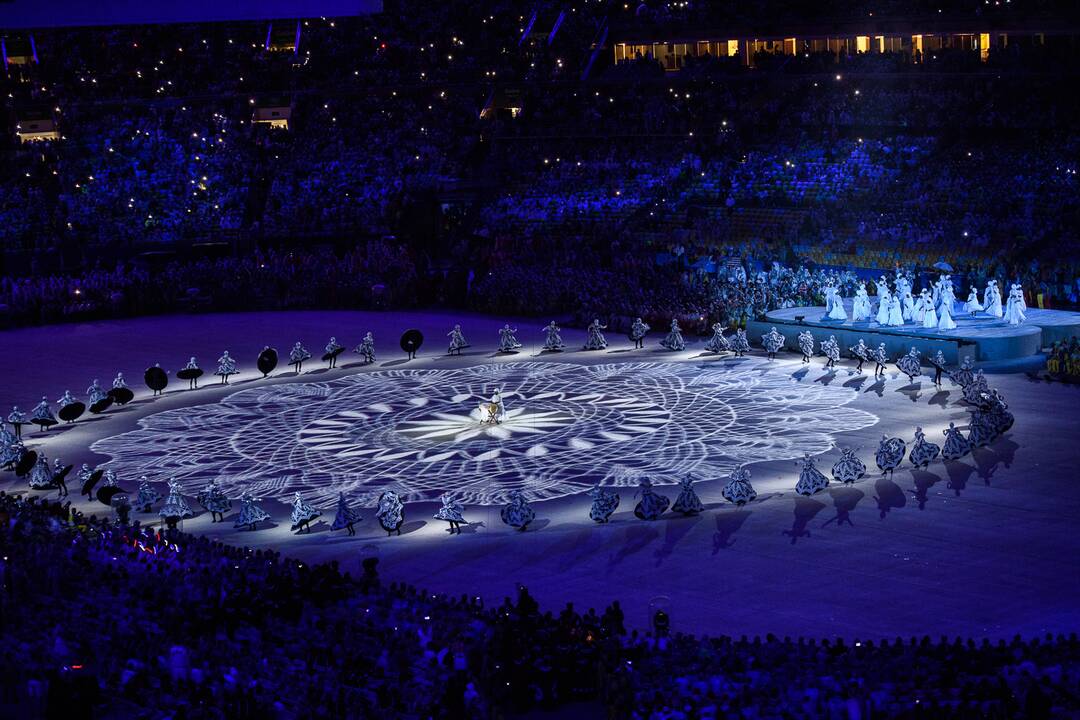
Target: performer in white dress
x: 810, y: 478
x: 687, y: 503
x: 1014, y: 313
x: 738, y: 489
x: 366, y: 349
x: 948, y: 303
x: 457, y: 341
x: 674, y: 340
x: 861, y: 353
x: 907, y: 306
x: 831, y: 349
x: 848, y: 468
x: 508, y: 343
x: 896, y: 315
x: 637, y: 333
x: 302, y: 514
x: 922, y: 452
x: 973, y: 306
x: 806, y: 345
x: 553, y: 338
x: 297, y: 356
x: 772, y: 341
x: 884, y: 301
x: 517, y: 513
x: 226, y: 367
x: 250, y: 512
x: 596, y: 339
x: 718, y: 343
x: 451, y: 512
x: 992, y: 299
x: 346, y: 515
x: 861, y: 309
x: 927, y: 311
x: 834, y: 303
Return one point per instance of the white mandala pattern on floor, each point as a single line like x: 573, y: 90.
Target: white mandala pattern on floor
x: 568, y: 426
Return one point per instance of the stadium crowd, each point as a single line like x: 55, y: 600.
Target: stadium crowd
x: 175, y: 623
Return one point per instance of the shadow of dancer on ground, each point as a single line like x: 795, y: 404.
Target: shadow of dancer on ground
x: 923, y: 482
x: 805, y: 510
x: 889, y: 496
x: 727, y: 524
x: 844, y: 501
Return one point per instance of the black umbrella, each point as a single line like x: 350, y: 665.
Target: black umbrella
x: 91, y: 481
x: 411, y: 340
x: 156, y: 378
x: 26, y: 463
x: 268, y: 360
x: 122, y: 395
x: 71, y: 412
x: 101, y: 405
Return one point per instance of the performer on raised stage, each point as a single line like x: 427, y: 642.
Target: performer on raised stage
x: 973, y: 306
x: 366, y: 349
x: 861, y: 310
x: 992, y: 299
x: 637, y: 333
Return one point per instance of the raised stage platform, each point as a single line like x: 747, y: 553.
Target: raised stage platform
x: 984, y: 338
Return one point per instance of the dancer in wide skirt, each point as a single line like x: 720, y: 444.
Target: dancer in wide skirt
x: 638, y: 329
x: 553, y: 341
x: 811, y: 479
x: 963, y: 376
x: 97, y: 397
x: 596, y: 339
x: 674, y: 340
x: 772, y: 341
x: 881, y: 360
x: 16, y: 418
x: 740, y: 343
x: 297, y: 356
x: 390, y: 512
x: 457, y: 341
x: 910, y: 364
x: 451, y: 512
x: 849, y: 467
x: 945, y: 310
x: 831, y: 349
x: 890, y: 454
x: 973, y: 306
x: 192, y: 372
x: 956, y: 445
x: 974, y: 391
x: 302, y: 514
x: 346, y: 515
x: 366, y: 349
x: 69, y: 407
x: 175, y: 508
x: 718, y: 343
x: 992, y: 299
x: 738, y: 489
x: 42, y: 414
x: 250, y: 512
x: 603, y: 505
x: 147, y: 497
x: 517, y: 513
x: 508, y: 343
x: 41, y: 476
x: 214, y: 501
x: 651, y: 505
x: 226, y: 366
x: 806, y: 345
x: 861, y: 353
x: 923, y: 452
x: 687, y: 502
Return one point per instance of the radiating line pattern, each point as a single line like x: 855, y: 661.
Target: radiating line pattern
x: 568, y: 426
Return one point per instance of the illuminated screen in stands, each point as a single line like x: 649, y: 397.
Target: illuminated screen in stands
x: 35, y: 13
